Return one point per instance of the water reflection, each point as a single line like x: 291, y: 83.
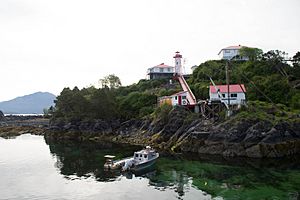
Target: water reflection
x: 86, y: 160
x: 236, y: 178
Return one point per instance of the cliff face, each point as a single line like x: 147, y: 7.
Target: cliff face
x: 246, y: 138
x: 180, y: 132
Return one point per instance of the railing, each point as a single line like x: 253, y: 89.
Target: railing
x: 191, y: 97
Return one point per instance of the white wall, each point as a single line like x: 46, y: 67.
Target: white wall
x: 233, y: 100
x: 178, y: 66
x: 164, y: 70
x: 227, y: 54
x: 174, y: 101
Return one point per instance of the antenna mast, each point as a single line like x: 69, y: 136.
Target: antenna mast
x: 228, y: 89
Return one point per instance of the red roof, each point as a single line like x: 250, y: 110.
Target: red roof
x: 162, y: 65
x: 179, y: 93
x: 232, y: 88
x: 232, y: 47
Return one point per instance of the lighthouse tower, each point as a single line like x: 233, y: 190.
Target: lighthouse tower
x: 178, y: 67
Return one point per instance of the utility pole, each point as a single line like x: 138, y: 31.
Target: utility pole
x: 228, y: 88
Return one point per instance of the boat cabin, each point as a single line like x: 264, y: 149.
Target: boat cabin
x: 144, y: 155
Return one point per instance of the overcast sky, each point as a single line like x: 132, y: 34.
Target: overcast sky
x: 49, y: 45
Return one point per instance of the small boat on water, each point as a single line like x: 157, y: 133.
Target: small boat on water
x: 141, y: 160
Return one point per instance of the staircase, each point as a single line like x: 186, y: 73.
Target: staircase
x: 185, y: 87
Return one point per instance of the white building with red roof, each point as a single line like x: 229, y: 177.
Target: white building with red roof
x: 179, y: 98
x: 160, y: 71
x: 236, y: 93
x: 232, y: 52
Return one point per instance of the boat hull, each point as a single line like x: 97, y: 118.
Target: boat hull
x: 144, y: 165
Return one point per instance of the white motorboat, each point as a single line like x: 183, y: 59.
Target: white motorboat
x: 141, y: 160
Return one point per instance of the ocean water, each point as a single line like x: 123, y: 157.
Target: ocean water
x: 33, y: 168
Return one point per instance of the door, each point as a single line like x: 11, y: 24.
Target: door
x: 179, y: 100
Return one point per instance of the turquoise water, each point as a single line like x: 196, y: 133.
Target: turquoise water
x: 32, y: 168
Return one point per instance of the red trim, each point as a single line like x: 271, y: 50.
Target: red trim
x: 179, y: 100
x: 224, y: 88
x: 177, y: 55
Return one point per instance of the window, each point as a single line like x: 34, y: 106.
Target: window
x: 223, y: 95
x: 227, y: 51
x: 175, y: 97
x: 233, y: 95
x: 183, y: 97
x: 161, y: 69
x: 169, y: 69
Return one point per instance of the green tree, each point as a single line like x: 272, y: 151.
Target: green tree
x: 295, y: 101
x: 137, y: 104
x: 251, y: 53
x: 71, y: 105
x: 111, y: 81
x: 296, y: 66
x: 103, y: 105
x: 274, y: 55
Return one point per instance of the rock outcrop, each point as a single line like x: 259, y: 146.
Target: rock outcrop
x: 246, y: 138
x: 15, y: 125
x: 180, y: 131
x: 1, y: 116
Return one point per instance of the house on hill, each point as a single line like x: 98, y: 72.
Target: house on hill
x: 232, y: 52
x: 236, y: 93
x: 160, y: 71
x: 179, y: 98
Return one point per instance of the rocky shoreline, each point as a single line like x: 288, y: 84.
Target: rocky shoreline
x: 12, y: 126
x: 179, y: 132
x: 175, y: 132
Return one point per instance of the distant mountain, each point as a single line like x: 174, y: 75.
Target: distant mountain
x: 28, y: 104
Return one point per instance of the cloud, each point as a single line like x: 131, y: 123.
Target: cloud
x: 48, y: 45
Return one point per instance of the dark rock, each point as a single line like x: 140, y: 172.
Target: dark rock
x: 55, y: 128
x: 70, y: 127
x: 101, y: 125
x: 281, y: 132
x: 257, y: 132
x: 231, y: 131
x: 176, y: 120
x: 145, y: 124
x: 178, y: 131
x: 2, y: 118
x: 115, y: 124
x: 57, y: 123
x: 87, y: 125
x: 254, y: 151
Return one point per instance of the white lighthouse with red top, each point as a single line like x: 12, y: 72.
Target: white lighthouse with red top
x: 184, y: 97
x: 178, y: 67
